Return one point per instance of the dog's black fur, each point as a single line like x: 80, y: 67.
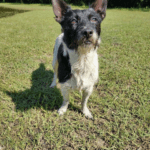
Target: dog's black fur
x: 64, y: 68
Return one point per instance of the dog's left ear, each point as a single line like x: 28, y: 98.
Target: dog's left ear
x: 100, y: 7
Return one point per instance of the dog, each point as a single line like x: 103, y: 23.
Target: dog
x: 75, y: 60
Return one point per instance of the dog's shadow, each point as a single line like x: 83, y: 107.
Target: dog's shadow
x: 40, y: 94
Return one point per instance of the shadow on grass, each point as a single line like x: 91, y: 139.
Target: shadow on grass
x: 40, y: 94
x: 7, y: 12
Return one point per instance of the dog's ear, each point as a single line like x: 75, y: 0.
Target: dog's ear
x: 59, y: 8
x: 100, y: 7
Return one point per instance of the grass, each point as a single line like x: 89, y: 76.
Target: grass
x: 120, y: 102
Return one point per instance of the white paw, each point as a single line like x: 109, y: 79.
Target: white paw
x: 87, y: 113
x: 62, y: 110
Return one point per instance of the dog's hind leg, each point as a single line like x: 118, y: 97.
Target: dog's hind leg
x: 53, y: 84
x: 85, y: 97
x: 65, y: 93
x: 55, y: 61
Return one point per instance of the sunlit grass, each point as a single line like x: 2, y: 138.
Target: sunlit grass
x: 120, y: 102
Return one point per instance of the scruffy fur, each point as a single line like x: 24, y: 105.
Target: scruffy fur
x: 75, y: 61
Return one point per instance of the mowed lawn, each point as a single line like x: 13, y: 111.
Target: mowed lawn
x: 120, y: 102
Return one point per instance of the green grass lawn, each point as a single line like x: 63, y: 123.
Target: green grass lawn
x: 120, y: 102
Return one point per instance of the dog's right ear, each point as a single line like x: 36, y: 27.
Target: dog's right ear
x: 59, y: 8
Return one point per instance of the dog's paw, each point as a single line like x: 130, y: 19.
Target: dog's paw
x: 87, y: 114
x: 61, y: 111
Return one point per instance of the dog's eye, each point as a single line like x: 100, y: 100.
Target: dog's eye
x: 74, y: 21
x: 94, y: 20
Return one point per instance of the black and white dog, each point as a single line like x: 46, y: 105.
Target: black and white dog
x: 75, y: 61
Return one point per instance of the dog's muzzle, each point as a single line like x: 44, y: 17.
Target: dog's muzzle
x: 89, y: 37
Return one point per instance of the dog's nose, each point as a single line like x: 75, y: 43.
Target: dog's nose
x: 88, y: 33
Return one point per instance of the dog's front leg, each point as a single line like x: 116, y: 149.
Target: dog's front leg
x: 64, y: 106
x: 85, y: 97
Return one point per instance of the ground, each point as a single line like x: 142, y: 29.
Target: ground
x: 120, y: 102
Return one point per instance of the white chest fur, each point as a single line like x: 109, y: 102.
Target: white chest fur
x: 84, y: 69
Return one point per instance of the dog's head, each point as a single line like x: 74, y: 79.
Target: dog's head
x: 81, y: 27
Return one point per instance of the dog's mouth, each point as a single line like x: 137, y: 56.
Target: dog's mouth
x: 82, y: 42
x: 88, y: 42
